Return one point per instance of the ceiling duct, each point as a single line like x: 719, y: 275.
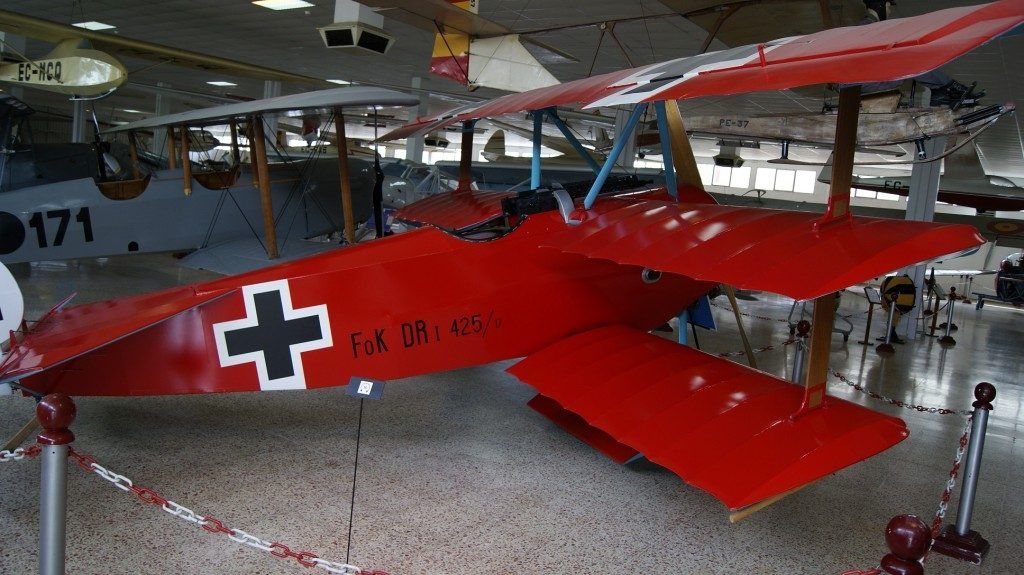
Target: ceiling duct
x: 356, y: 27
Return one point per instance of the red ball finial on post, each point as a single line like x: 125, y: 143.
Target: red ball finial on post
x: 908, y: 539
x: 803, y: 328
x: 55, y: 412
x: 985, y: 393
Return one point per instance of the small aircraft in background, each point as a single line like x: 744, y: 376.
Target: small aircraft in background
x: 71, y: 69
x: 64, y: 201
x: 963, y: 183
x: 572, y: 282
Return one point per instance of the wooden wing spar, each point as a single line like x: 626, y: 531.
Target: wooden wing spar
x: 889, y: 50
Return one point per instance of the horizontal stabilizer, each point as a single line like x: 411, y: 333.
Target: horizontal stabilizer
x: 88, y: 327
x: 783, y: 252
x: 720, y: 426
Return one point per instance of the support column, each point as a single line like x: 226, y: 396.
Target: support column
x: 258, y: 149
x: 343, y: 173
x: 186, y: 162
x: 161, y: 107
x: 78, y: 123
x: 623, y: 133
x: 236, y: 156
x: 466, y: 162
x: 172, y: 148
x: 924, y: 192
x: 271, y: 89
x: 538, y: 133
x: 414, y: 145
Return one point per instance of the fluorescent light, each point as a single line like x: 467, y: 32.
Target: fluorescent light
x: 94, y: 25
x: 283, y: 4
x: 130, y: 111
x: 221, y: 83
x: 342, y: 82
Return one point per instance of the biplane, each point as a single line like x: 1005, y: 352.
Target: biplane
x: 572, y: 281
x: 237, y: 215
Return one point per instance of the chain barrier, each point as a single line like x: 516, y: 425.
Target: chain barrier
x: 947, y: 493
x: 20, y: 453
x: 746, y: 314
x: 208, y: 523
x: 896, y: 402
x: 758, y: 349
x: 873, y: 571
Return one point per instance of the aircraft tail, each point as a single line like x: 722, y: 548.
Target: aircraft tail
x: 825, y: 175
x: 12, y: 306
x: 964, y: 164
x: 495, y: 147
x: 500, y: 62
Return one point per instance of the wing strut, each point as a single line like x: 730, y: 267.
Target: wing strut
x: 667, y: 157
x: 346, y: 183
x: 259, y: 147
x: 609, y: 162
x: 572, y: 139
x: 837, y: 214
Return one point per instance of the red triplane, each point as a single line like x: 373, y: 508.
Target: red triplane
x: 572, y: 283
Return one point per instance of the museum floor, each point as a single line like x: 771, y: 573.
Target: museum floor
x: 458, y: 476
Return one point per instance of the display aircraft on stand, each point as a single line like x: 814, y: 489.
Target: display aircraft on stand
x: 78, y: 72
x: 54, y: 208
x: 572, y: 282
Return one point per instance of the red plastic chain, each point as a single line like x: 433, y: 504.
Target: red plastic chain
x: 875, y: 571
x: 947, y: 493
x: 757, y: 349
x: 208, y: 523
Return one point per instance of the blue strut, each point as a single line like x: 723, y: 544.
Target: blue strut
x: 666, y: 149
x: 573, y: 141
x: 538, y: 131
x: 609, y: 162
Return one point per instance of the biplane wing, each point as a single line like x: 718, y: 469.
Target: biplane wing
x: 718, y: 425
x: 884, y: 51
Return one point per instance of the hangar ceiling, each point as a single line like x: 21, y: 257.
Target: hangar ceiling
x: 288, y: 40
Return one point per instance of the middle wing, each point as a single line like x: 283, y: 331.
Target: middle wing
x: 780, y: 251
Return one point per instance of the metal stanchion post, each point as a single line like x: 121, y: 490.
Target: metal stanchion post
x: 959, y: 540
x: 947, y: 340
x: 886, y: 346
x: 55, y: 413
x: 867, y: 328
x: 803, y: 328
x: 908, y: 539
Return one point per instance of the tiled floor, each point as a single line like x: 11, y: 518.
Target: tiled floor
x: 458, y: 476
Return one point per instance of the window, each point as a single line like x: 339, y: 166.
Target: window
x: 784, y: 180
x: 705, y: 173
x: 740, y: 178
x: 400, y: 153
x: 859, y: 193
x: 805, y: 180
x: 889, y: 197
x: 765, y: 179
x: 721, y: 176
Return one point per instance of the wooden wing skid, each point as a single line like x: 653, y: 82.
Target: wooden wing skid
x: 720, y: 426
x: 889, y: 50
x: 85, y: 328
x: 784, y: 252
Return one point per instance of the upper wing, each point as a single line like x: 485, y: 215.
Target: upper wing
x: 353, y: 96
x: 784, y: 252
x: 889, y: 50
x: 48, y: 31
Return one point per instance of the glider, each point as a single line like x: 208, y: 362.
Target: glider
x: 572, y: 280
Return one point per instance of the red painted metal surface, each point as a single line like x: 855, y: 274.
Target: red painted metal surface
x: 456, y: 211
x: 579, y: 427
x: 888, y: 50
x: 409, y: 304
x: 720, y: 426
x: 756, y: 248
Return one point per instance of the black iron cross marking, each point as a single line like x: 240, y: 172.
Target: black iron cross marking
x: 273, y: 335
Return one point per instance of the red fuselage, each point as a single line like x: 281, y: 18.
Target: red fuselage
x: 410, y: 304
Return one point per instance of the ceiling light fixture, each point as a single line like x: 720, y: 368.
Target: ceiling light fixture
x: 130, y: 111
x: 94, y: 25
x: 342, y: 82
x: 283, y: 4
x: 221, y: 83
